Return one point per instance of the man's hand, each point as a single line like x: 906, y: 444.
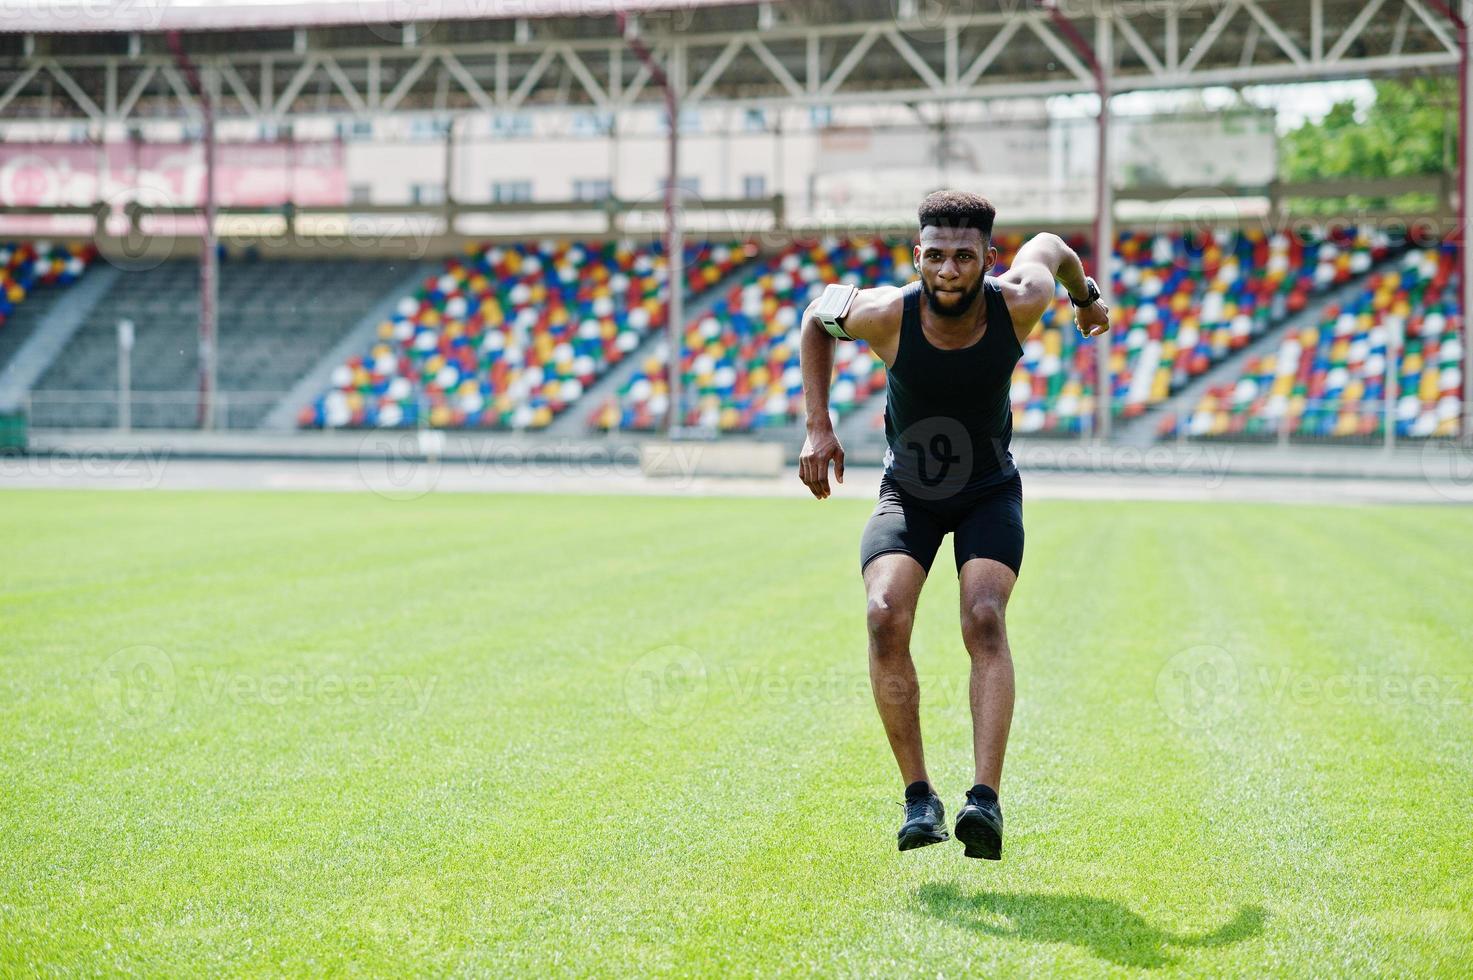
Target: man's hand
x: 1092, y: 320
x: 819, y: 449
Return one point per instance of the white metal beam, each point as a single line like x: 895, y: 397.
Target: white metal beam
x: 776, y: 67
x: 1166, y: 51
x: 1274, y: 31
x: 467, y: 81
x: 1139, y: 45
x: 913, y: 58
x: 335, y: 72
x: 989, y: 54
x: 1061, y: 50
x: 1209, y: 37
x: 83, y: 100
x: 580, y: 71
x: 407, y: 80
x: 293, y: 87
x: 1437, y: 29
x: 20, y: 82
x: 713, y: 71
x: 1352, y: 32
x: 851, y: 59
x: 237, y: 85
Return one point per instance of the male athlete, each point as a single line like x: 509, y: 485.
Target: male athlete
x: 950, y: 342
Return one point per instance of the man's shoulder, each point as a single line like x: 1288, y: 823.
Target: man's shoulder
x: 1024, y: 299
x: 878, y: 309
x: 886, y: 297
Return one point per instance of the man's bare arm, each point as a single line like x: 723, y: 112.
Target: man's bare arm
x: 1029, y: 286
x: 875, y: 318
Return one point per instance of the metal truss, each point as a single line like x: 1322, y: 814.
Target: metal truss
x: 805, y: 53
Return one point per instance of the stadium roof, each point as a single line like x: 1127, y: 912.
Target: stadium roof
x: 64, y: 16
x: 516, y: 55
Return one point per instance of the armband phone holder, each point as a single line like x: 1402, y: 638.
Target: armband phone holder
x: 833, y: 307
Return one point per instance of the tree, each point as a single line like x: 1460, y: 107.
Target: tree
x: 1409, y: 131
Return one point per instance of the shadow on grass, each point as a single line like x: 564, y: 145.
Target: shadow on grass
x: 1108, y: 929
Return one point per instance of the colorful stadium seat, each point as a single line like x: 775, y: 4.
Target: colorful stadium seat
x: 1329, y: 381
x: 741, y: 364
x: 510, y: 335
x: 26, y: 266
x: 1182, y: 303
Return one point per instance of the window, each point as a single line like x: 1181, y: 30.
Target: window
x: 352, y: 130
x: 754, y: 185
x: 510, y: 191
x: 593, y: 123
x: 593, y: 189
x: 428, y: 128
x: 427, y: 193
x: 690, y: 122
x: 690, y: 186
x: 755, y: 120
x: 517, y: 124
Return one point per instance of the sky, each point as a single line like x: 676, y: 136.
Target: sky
x: 1296, y: 104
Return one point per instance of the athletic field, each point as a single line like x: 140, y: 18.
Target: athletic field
x: 332, y: 733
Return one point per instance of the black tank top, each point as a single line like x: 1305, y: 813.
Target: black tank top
x: 949, y: 413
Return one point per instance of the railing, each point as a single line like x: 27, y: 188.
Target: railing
x: 1324, y: 422
x: 95, y: 409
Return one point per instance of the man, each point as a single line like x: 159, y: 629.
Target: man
x: 950, y: 342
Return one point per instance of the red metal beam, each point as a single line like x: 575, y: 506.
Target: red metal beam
x: 208, y: 272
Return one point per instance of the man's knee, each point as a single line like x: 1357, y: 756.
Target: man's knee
x: 890, y: 620
x: 983, y: 627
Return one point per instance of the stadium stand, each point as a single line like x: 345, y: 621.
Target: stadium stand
x: 741, y: 361
x: 276, y: 319
x: 1329, y: 381
x: 27, y: 271
x: 1185, y: 301
x: 511, y: 335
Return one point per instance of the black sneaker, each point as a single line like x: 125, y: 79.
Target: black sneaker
x: 925, y: 818
x: 979, y: 826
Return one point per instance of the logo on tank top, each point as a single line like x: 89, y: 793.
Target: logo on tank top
x: 932, y: 459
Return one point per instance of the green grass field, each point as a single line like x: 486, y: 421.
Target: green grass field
x: 299, y: 734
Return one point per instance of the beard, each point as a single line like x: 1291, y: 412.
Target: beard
x: 953, y: 307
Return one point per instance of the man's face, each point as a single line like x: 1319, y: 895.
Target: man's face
x: 952, y: 262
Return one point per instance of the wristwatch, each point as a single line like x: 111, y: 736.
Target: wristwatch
x: 1094, y: 293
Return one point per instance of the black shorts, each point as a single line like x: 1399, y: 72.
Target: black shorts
x: 984, y: 524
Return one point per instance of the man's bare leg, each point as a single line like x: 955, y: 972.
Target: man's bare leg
x: 986, y: 586
x: 892, y: 585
